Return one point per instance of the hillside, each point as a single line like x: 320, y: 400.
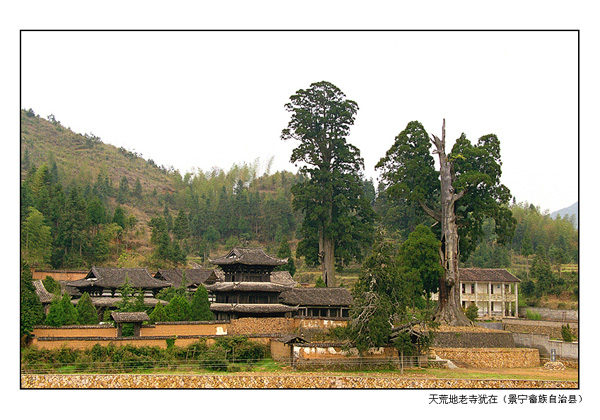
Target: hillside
x: 106, y: 205
x: 571, y: 211
x: 81, y: 158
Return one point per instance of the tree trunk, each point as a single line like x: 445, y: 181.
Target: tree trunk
x: 326, y: 254
x: 449, y: 307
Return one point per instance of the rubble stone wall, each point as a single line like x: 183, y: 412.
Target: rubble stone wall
x: 553, y: 329
x: 488, y: 339
x: 289, y: 381
x: 492, y: 358
x: 249, y: 326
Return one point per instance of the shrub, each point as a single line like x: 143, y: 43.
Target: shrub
x: 200, y: 307
x: 86, y: 312
x: 51, y: 285
x: 158, y: 314
x: 532, y: 315
x: 215, y: 358
x: 567, y: 333
x: 472, y: 312
x: 178, y: 309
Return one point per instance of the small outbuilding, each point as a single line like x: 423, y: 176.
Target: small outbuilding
x: 135, y: 318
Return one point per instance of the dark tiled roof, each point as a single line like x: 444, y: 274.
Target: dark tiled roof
x: 317, y: 296
x: 494, y: 275
x: 246, y: 286
x: 44, y: 295
x: 290, y: 338
x: 284, y: 278
x: 252, y: 308
x: 139, y: 278
x: 111, y: 302
x: 248, y: 256
x: 194, y: 276
x: 130, y: 316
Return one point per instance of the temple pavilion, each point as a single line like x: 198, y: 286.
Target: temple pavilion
x: 247, y: 289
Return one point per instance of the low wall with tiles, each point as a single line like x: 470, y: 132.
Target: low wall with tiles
x: 491, y: 358
x: 279, y: 380
x: 75, y: 331
x: 200, y: 328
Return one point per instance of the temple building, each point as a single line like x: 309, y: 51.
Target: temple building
x: 246, y: 289
x: 103, y: 284
x: 106, y: 282
x: 193, y: 277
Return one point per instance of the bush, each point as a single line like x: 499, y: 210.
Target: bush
x: 215, y: 358
x: 532, y: 315
x: 567, y: 333
x: 472, y: 312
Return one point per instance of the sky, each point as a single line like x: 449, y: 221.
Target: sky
x: 198, y: 100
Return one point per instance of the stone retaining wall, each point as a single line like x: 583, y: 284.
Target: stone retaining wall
x: 248, y: 326
x: 279, y: 380
x: 569, y: 315
x: 491, y: 358
x: 545, y: 345
x: 486, y: 339
x: 550, y: 328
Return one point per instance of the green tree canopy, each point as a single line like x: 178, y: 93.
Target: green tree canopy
x: 68, y: 310
x: 284, y: 252
x: 200, y: 306
x: 338, y: 217
x: 32, y: 312
x: 158, y: 314
x: 86, y: 312
x: 36, y: 238
x: 459, y: 197
x: 178, y: 309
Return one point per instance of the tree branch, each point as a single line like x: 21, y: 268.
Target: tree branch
x: 434, y: 214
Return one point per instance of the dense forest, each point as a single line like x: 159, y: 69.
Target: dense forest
x: 84, y: 202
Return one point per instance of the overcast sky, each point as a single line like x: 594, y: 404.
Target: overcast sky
x: 196, y: 100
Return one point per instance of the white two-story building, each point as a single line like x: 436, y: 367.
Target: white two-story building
x: 493, y: 290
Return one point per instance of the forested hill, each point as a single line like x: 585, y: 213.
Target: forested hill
x: 106, y: 205
x: 80, y: 159
x: 84, y: 203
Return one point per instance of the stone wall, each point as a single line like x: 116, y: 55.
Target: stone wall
x: 272, y: 326
x: 323, y: 355
x: 549, y: 328
x: 463, y: 339
x: 570, y: 315
x: 491, y: 358
x: 278, y: 380
x: 543, y: 343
